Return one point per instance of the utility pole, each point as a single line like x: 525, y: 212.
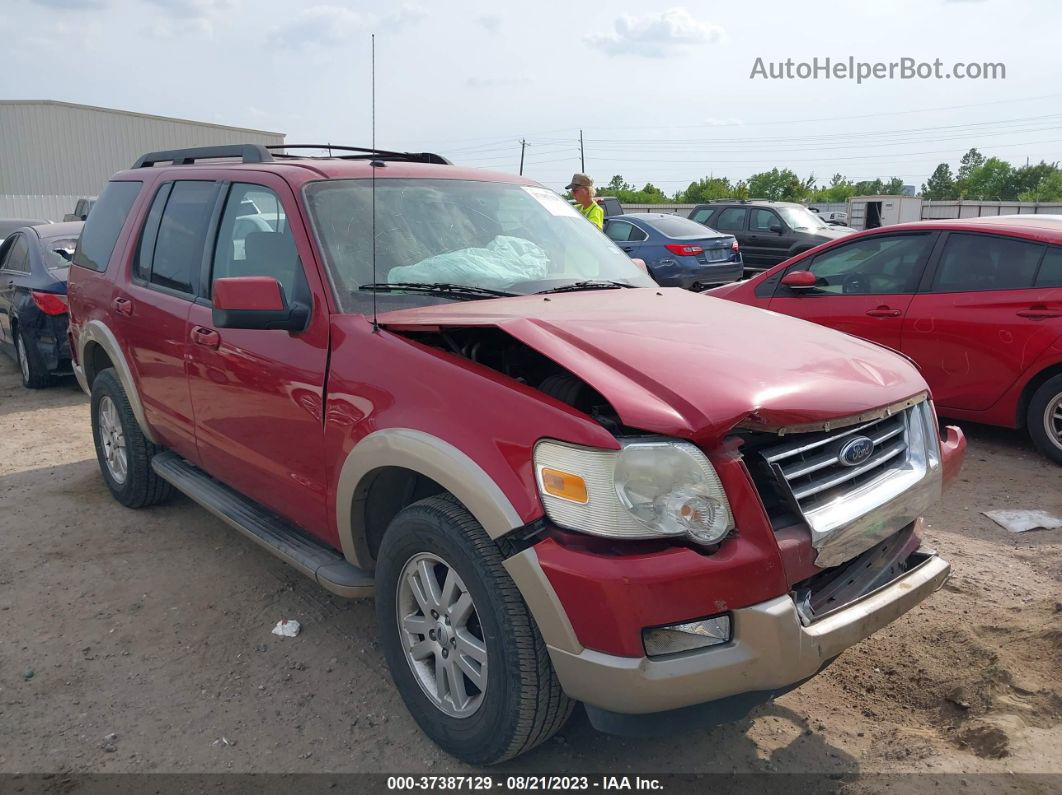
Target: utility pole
x: 582, y: 154
x: 523, y: 145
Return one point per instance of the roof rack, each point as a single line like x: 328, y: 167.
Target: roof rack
x: 739, y: 201
x: 361, y: 154
x: 257, y: 153
x: 248, y: 153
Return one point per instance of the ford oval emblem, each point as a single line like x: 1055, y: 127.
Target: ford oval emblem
x: 856, y: 450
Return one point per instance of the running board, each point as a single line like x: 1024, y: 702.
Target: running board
x: 324, y: 565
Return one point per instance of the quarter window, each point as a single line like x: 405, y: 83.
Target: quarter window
x: 877, y: 265
x: 104, y: 224
x: 977, y: 263
x: 254, y: 239
x: 18, y: 255
x: 732, y: 219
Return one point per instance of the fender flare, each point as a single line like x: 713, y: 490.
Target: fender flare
x: 427, y: 455
x: 96, y: 331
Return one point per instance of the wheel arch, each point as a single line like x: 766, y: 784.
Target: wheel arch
x: 1030, y: 388
x: 98, y: 349
x: 394, y: 467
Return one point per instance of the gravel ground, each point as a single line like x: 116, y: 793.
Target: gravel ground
x: 139, y: 641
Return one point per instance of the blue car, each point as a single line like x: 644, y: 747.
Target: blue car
x: 34, y: 263
x: 678, y: 252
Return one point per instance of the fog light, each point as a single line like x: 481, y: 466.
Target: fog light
x: 686, y: 637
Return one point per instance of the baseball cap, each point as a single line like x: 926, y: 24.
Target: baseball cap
x: 580, y: 181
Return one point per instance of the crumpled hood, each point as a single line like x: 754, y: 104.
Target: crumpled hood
x: 681, y: 364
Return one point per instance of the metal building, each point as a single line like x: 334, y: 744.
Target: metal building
x: 53, y: 153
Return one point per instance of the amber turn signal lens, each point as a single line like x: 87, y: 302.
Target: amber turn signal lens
x: 564, y: 485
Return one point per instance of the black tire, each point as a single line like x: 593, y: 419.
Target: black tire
x: 1046, y: 401
x: 523, y: 703
x: 141, y: 487
x: 31, y: 367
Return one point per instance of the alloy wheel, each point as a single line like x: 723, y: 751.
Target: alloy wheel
x: 441, y: 635
x: 23, y: 359
x: 1053, y: 420
x: 112, y: 438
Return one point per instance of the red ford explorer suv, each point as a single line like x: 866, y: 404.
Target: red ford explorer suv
x: 976, y: 303
x: 444, y: 388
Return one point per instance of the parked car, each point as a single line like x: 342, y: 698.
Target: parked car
x: 677, y: 251
x: 81, y: 209
x: 9, y: 225
x: 34, y: 262
x: 563, y: 483
x: 767, y: 231
x: 610, y: 204
x: 977, y: 303
x: 832, y: 217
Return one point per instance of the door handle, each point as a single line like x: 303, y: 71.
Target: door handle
x: 206, y: 337
x: 123, y: 306
x: 884, y: 311
x: 628, y: 249
x: 1039, y: 312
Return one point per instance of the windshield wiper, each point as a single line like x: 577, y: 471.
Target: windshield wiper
x: 586, y: 285
x: 438, y: 288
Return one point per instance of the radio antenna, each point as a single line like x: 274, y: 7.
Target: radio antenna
x: 372, y: 165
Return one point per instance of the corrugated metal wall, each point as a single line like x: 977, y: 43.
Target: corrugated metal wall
x: 50, y: 149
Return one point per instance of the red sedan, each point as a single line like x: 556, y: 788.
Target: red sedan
x: 976, y: 303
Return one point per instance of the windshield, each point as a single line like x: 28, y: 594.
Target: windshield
x: 58, y: 252
x: 491, y: 235
x: 801, y: 218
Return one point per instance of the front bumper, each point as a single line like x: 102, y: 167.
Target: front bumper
x: 770, y: 651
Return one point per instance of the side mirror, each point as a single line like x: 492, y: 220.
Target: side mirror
x: 640, y: 263
x: 799, y: 280
x: 776, y: 228
x: 255, y: 302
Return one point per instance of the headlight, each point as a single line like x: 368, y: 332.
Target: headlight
x: 648, y: 489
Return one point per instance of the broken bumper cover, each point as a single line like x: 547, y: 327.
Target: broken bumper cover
x: 770, y: 651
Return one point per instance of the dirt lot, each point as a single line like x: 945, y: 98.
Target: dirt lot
x: 155, y: 626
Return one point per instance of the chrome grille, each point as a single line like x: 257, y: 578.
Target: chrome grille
x: 810, y: 467
x: 851, y: 505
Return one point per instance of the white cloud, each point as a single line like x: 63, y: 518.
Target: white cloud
x: 656, y: 35
x: 490, y: 22
x: 331, y: 26
x: 190, y: 9
x: 71, y: 5
x: 319, y: 25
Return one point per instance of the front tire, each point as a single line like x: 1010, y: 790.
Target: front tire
x: 1044, y: 418
x: 462, y: 647
x: 124, y: 453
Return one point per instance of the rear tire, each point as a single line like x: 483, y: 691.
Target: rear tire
x: 1044, y: 418
x: 34, y: 374
x: 124, y: 453
x: 521, y: 703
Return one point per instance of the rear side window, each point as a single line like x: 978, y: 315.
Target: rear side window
x: 979, y: 263
x: 1050, y: 269
x: 178, y: 255
x: 732, y: 219
x: 620, y: 231
x: 701, y: 216
x: 104, y: 224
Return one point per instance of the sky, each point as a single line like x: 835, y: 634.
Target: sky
x: 662, y: 92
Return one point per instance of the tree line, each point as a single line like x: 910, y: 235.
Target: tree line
x: 977, y: 177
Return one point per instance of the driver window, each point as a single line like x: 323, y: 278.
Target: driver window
x: 254, y: 238
x: 879, y: 265
x: 762, y: 220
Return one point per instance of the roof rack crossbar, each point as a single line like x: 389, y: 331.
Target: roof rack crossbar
x: 248, y: 153
x: 364, y: 154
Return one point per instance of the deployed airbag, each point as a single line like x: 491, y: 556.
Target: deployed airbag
x: 502, y: 262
